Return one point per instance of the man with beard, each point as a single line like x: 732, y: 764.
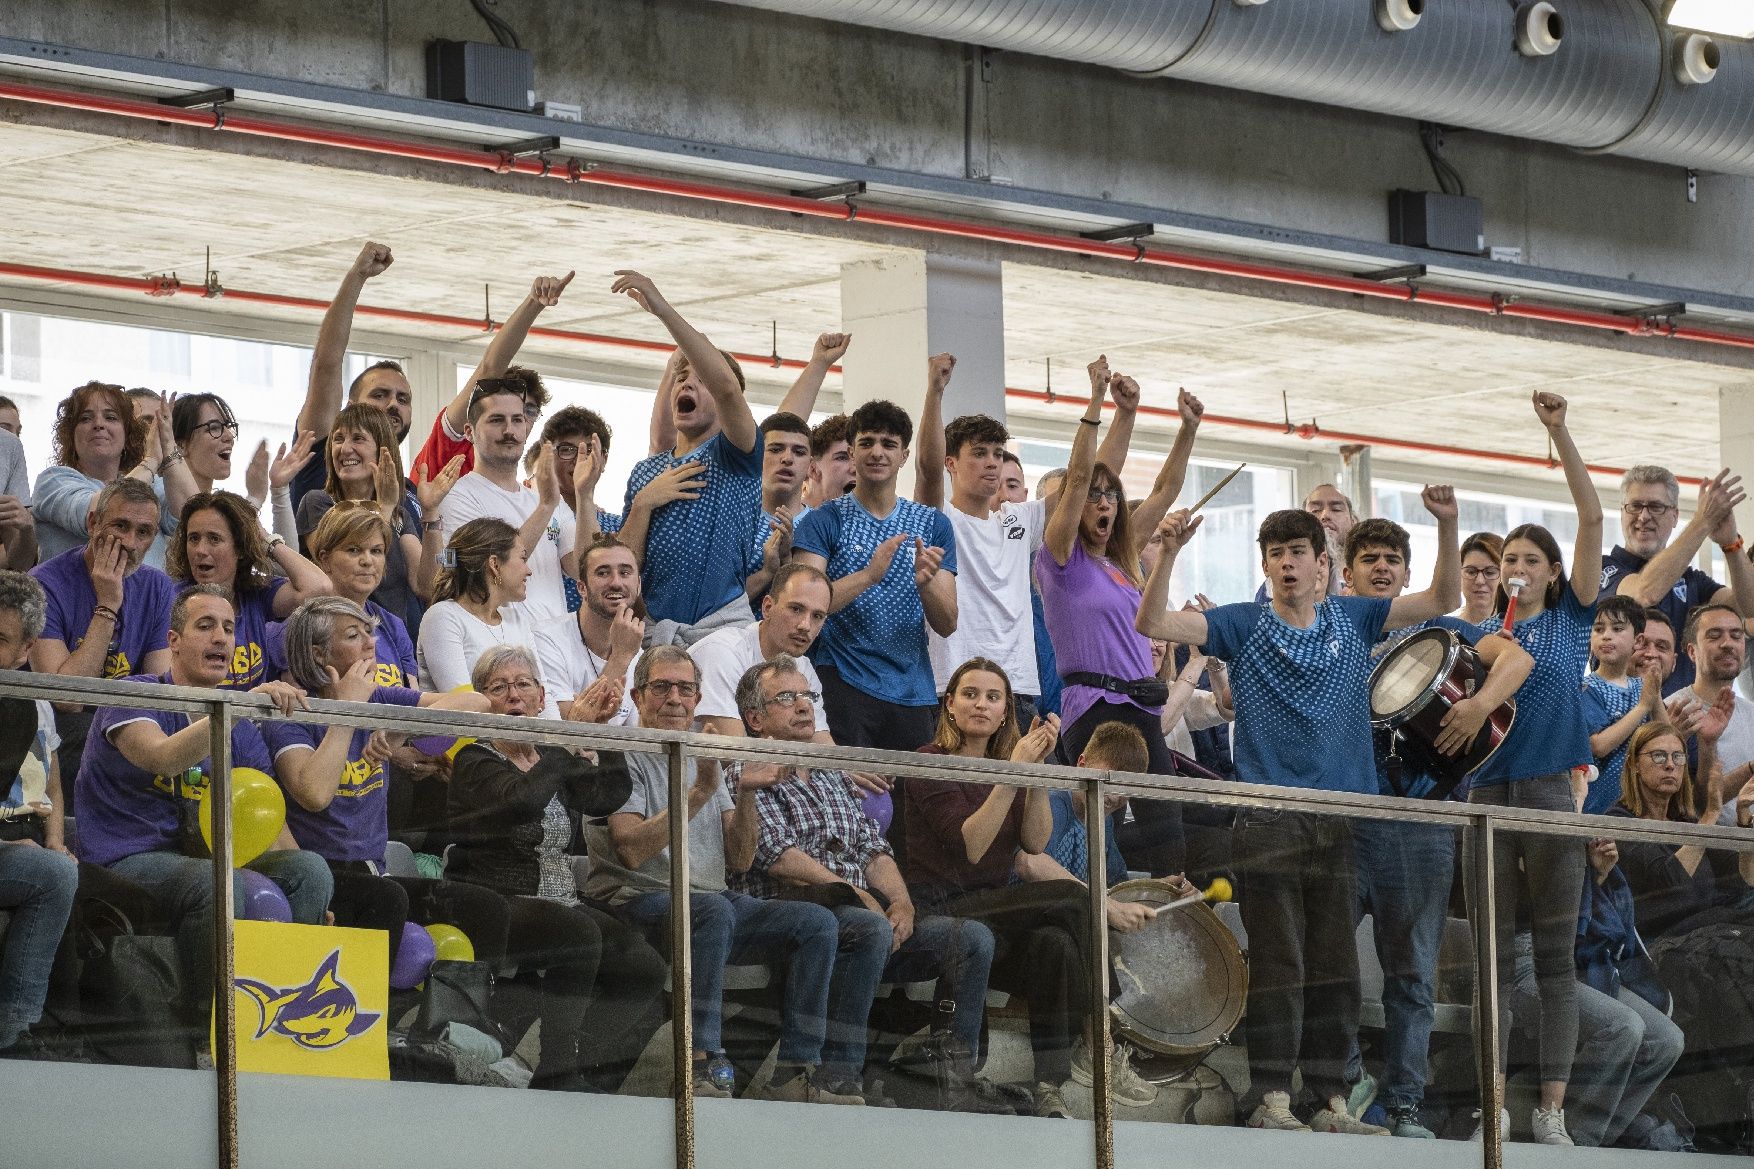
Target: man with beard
x: 1717, y: 645
x: 792, y: 614
x: 588, y: 658
x: 499, y: 426
x: 1653, y: 564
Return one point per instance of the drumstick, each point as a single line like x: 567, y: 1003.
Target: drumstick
x: 1513, y: 586
x: 1207, y: 498
x: 1178, y: 903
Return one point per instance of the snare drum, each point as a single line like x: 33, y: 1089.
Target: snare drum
x: 1415, y: 686
x: 1181, y: 983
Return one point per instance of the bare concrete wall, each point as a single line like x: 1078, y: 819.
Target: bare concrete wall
x: 703, y: 70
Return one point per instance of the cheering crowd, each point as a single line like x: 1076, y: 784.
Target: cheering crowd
x: 766, y: 578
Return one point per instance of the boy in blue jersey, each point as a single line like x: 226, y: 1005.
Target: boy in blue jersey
x: 1405, y: 870
x: 1615, y: 701
x: 1300, y: 673
x: 893, y: 564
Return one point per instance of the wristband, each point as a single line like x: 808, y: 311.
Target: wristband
x: 106, y: 612
x: 1089, y: 422
x: 431, y: 522
x: 1734, y: 547
x: 275, y: 540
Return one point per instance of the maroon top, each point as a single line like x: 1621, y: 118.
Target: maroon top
x: 937, y: 860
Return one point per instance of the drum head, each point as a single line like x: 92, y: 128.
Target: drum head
x: 1408, y: 673
x: 1181, y: 982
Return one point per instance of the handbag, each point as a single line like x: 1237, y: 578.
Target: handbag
x: 457, y: 992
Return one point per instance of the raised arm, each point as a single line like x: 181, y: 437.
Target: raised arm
x: 544, y: 293
x: 1174, y: 473
x: 1718, y: 498
x: 547, y: 499
x: 329, y: 359
x: 1445, y: 592
x: 1586, y: 557
x: 1119, y: 439
x: 1154, y: 618
x: 929, y: 463
x: 304, y: 580
x: 735, y: 419
x: 801, y: 398
x: 1062, y: 525
x: 663, y: 425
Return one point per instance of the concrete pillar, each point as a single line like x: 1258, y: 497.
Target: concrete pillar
x: 1735, y: 423
x: 902, y: 309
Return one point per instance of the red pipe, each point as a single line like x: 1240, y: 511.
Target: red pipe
x: 1496, y: 304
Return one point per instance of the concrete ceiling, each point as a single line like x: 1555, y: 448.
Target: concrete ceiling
x: 80, y: 200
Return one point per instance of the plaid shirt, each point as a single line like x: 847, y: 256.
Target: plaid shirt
x: 817, y: 814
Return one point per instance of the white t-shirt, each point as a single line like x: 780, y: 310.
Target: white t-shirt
x: 476, y: 496
x: 569, y: 667
x: 451, y: 638
x: 994, y: 618
x: 724, y: 657
x: 1735, y: 748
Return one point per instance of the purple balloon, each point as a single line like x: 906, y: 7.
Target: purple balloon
x: 880, y: 806
x: 413, y: 957
x: 262, y: 899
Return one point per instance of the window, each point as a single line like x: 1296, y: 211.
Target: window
x: 1480, y: 511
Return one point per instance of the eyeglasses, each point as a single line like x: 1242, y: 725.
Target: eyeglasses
x: 1113, y: 497
x: 1665, y: 758
x: 1487, y: 573
x: 788, y: 697
x: 1655, y: 511
x: 566, y: 450
x: 215, y: 428
x: 521, y: 685
x: 663, y: 688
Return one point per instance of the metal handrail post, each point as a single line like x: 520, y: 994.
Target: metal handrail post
x: 1486, y: 1033
x: 681, y: 959
x: 1101, y: 1098
x: 225, y: 1035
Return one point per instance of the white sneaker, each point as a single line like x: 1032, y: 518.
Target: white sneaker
x: 1503, y: 1126
x: 1547, y: 1126
x: 1275, y: 1112
x: 1335, y: 1118
x: 1124, y: 1083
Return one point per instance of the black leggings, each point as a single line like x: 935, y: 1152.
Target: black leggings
x: 1041, y: 935
x: 1155, y: 840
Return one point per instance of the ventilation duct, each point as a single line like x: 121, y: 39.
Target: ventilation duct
x: 1598, y: 75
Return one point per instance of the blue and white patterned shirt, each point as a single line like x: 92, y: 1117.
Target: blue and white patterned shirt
x: 1548, y: 737
x: 697, y: 550
x: 1604, y: 704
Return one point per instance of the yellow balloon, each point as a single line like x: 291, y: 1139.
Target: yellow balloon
x: 451, y: 944
x: 258, y: 813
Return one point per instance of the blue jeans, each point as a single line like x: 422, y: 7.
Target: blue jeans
x: 1404, y: 875
x: 183, y: 885
x: 1625, y: 1048
x: 37, y: 886
x: 736, y: 928
x: 865, y: 961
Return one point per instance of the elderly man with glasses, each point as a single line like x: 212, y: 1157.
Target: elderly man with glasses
x: 1654, y: 563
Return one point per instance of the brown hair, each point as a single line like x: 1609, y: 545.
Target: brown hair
x: 949, y: 735
x: 1632, y: 790
x: 1118, y: 746
x: 343, y: 523
x: 1122, y: 550
x: 254, y: 568
x: 470, y: 548
x: 382, y: 430
x: 1489, y: 543
x: 67, y: 420
x: 1543, y: 540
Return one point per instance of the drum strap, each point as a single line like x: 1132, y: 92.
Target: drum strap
x: 1392, y: 765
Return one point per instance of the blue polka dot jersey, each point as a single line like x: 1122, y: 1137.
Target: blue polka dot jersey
x: 697, y: 550
x: 1604, y: 704
x: 1548, y: 737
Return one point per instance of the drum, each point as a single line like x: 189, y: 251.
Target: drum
x: 1180, y: 982
x: 1414, y: 687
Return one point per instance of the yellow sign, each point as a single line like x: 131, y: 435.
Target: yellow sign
x: 311, y: 1000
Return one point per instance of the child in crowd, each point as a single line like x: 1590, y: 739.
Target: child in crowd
x: 1615, y: 702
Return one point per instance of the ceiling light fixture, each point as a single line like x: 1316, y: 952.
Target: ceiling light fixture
x: 1728, y: 18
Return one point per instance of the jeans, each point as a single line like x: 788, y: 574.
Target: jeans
x: 736, y: 928
x: 1545, y: 874
x: 183, y: 886
x: 1298, y: 894
x: 1404, y: 873
x: 37, y: 886
x: 865, y: 961
x: 1625, y: 1049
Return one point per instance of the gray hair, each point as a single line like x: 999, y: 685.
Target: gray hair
x: 662, y: 655
x: 125, y: 489
x: 1041, y: 485
x: 21, y: 593
x: 497, y: 658
x: 308, y: 633
x: 1649, y: 473
x: 749, y: 696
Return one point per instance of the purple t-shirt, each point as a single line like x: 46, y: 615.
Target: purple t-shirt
x: 122, y: 809
x: 396, y: 662
x: 356, y: 824
x: 147, y: 594
x: 249, y: 661
x: 1089, y: 607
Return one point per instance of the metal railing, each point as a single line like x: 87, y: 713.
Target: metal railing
x: 1484, y: 821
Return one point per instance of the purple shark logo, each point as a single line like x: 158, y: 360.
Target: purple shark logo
x: 322, y: 1013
